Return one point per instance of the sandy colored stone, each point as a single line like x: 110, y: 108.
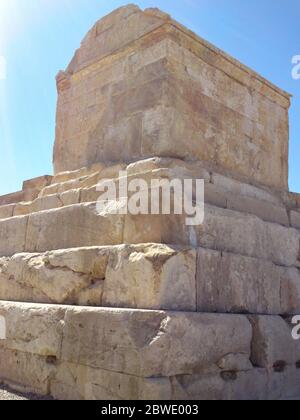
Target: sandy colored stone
x: 79, y: 225
x: 151, y: 277
x: 290, y: 291
x: 37, y: 183
x: 227, y: 386
x: 13, y: 235
x: 151, y: 344
x: 273, y: 346
x: 32, y: 328
x: 142, y: 277
x: 7, y: 211
x: 227, y: 230
x: 151, y: 84
x: 26, y: 372
x: 295, y: 219
x: 78, y: 382
x: 262, y: 209
x: 234, y: 283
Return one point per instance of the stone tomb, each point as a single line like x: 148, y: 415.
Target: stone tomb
x: 99, y: 306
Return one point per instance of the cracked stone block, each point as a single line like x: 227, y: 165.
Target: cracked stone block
x: 153, y: 344
x: 273, y: 346
x: 78, y: 382
x: 31, y: 328
x: 234, y: 283
x: 148, y: 276
x: 26, y: 372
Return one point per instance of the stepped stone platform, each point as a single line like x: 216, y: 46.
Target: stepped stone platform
x: 132, y: 307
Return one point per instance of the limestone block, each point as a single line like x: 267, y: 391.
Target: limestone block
x: 25, y: 371
x: 262, y: 209
x: 78, y: 382
x: 230, y: 185
x: 234, y: 283
x: 215, y: 196
x: 273, y: 346
x: 167, y: 344
x: 13, y: 235
x: 37, y: 183
x: 295, y: 219
x: 177, y: 168
x: 226, y: 230
x: 46, y: 203
x: 32, y: 328
x: 69, y: 175
x: 22, y: 209
x: 12, y: 198
x: 30, y: 277
x: 151, y: 277
x: 284, y: 385
x: 224, y: 386
x: 70, y: 197
x: 290, y: 291
x: 7, y: 211
x: 144, y: 277
x: 162, y: 86
x: 79, y: 225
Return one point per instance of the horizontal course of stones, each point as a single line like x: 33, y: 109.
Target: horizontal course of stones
x: 80, y: 186
x: 81, y: 353
x: 81, y: 225
x: 152, y: 276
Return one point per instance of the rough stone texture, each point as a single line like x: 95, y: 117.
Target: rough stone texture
x: 290, y: 291
x: 273, y: 346
x: 121, y: 355
x: 126, y: 80
x: 78, y: 225
x: 295, y: 219
x: 234, y: 283
x: 142, y: 277
x: 81, y: 225
x: 206, y: 316
x: 166, y: 345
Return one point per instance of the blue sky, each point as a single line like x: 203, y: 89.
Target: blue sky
x: 38, y: 38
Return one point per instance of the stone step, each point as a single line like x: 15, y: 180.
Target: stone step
x: 143, y: 277
x: 152, y: 276
x: 89, y: 353
x: 219, y: 190
x: 81, y: 225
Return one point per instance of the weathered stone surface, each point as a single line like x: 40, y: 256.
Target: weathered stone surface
x: 234, y: 283
x: 142, y: 277
x: 239, y: 233
x: 165, y: 344
x: 226, y: 386
x: 12, y: 198
x: 263, y: 209
x: 79, y: 225
x: 273, y: 346
x: 290, y: 291
x: 7, y: 211
x: 141, y: 86
x: 13, y: 235
x: 37, y: 183
x: 148, y: 84
x: 295, y: 219
x: 80, y: 353
x: 151, y: 277
x: 32, y: 329
x: 78, y: 382
x: 26, y: 371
